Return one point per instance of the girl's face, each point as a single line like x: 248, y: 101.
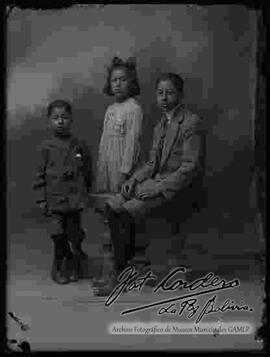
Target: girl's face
x: 60, y: 121
x: 120, y: 84
x: 168, y: 96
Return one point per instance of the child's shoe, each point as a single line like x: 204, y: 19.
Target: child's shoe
x: 75, y: 265
x: 60, y: 278
x: 59, y: 271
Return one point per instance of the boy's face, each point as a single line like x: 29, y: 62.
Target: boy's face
x: 60, y: 121
x: 119, y: 83
x: 168, y: 96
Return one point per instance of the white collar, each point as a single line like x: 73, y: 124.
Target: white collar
x: 170, y: 114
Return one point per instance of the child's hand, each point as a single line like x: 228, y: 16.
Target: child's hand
x: 43, y: 207
x: 147, y: 189
x: 122, y: 180
x: 128, y: 188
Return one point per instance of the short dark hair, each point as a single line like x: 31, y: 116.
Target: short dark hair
x: 176, y: 79
x: 57, y: 104
x: 130, y: 67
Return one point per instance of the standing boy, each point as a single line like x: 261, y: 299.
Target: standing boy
x: 64, y: 179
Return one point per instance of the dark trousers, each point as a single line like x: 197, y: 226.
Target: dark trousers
x: 123, y: 224
x: 122, y: 229
x: 67, y: 234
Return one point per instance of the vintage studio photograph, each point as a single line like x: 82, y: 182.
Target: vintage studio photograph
x: 135, y: 178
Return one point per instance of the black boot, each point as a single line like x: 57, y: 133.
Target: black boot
x: 61, y: 271
x: 80, y: 258
x: 59, y: 268
x: 75, y: 266
x: 76, y: 261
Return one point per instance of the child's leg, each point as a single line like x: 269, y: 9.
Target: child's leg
x: 122, y: 229
x: 60, y: 250
x: 75, y: 236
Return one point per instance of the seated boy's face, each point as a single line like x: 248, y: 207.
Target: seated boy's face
x: 60, y: 121
x: 168, y: 97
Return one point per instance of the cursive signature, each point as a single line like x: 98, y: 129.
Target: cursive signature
x: 127, y: 283
x: 192, y: 307
x: 129, y: 280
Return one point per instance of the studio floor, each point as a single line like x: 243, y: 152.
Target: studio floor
x: 70, y: 317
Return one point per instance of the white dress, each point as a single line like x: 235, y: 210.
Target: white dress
x: 119, y: 146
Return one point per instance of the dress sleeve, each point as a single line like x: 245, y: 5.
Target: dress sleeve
x: 132, y: 140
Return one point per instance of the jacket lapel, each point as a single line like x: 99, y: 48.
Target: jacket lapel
x: 172, y: 134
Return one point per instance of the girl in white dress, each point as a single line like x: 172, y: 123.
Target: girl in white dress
x: 119, y: 146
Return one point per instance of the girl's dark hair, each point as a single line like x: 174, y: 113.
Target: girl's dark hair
x: 59, y: 103
x: 177, y: 80
x: 130, y: 67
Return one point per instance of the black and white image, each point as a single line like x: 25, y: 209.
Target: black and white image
x: 135, y: 177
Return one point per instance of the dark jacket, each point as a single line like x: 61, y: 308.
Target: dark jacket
x: 64, y: 174
x: 182, y: 158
